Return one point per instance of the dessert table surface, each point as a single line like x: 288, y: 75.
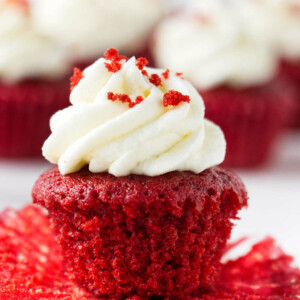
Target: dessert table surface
x: 274, y: 191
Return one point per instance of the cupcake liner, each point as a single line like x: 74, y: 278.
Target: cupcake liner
x: 251, y: 120
x: 25, y: 111
x: 154, y: 236
x: 291, y: 72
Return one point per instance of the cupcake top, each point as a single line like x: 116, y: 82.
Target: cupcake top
x: 276, y: 21
x: 126, y: 118
x: 210, y: 46
x: 25, y: 53
x: 89, y: 27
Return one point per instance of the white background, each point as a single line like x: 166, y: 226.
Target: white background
x: 274, y: 204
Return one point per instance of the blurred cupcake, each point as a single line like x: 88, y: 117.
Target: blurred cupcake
x: 234, y: 73
x: 139, y: 207
x: 89, y: 27
x: 32, y: 84
x: 278, y: 22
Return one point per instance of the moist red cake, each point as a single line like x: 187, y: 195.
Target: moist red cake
x: 25, y: 111
x: 291, y: 71
x: 251, y: 120
x: 141, y: 235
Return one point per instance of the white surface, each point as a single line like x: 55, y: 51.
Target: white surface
x: 274, y: 205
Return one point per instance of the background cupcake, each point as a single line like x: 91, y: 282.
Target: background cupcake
x: 152, y: 215
x: 89, y: 27
x: 234, y: 73
x: 278, y: 22
x: 32, y: 81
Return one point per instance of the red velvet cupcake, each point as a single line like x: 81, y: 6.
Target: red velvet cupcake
x: 233, y: 71
x: 33, y: 82
x: 150, y: 215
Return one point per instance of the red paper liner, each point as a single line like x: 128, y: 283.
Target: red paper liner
x: 291, y: 71
x: 160, y: 235
x: 32, y: 266
x: 25, y: 111
x: 251, y: 120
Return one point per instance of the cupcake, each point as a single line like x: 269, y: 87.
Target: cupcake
x: 32, y: 83
x: 278, y: 22
x: 137, y: 200
x: 88, y: 28
x: 233, y: 72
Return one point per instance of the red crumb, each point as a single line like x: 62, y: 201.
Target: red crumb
x: 174, y: 98
x: 77, y: 76
x: 155, y: 79
x: 113, y: 55
x: 124, y: 98
x: 145, y: 73
x: 179, y: 75
x: 166, y: 74
x: 141, y: 63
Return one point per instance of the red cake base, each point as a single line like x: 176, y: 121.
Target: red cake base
x: 291, y: 72
x: 251, y: 120
x: 25, y: 111
x: 32, y: 266
x: 150, y: 236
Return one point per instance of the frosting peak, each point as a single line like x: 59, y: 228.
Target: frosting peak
x: 130, y: 119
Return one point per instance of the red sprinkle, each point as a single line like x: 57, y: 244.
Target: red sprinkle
x: 155, y: 79
x: 124, y: 98
x: 113, y: 55
x: 179, y: 75
x: 166, y: 74
x: 77, y: 76
x: 141, y: 63
x: 174, y: 98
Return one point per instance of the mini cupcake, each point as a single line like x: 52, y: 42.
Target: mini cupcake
x: 279, y: 23
x: 32, y: 83
x: 233, y: 72
x: 138, y: 205
x: 90, y: 27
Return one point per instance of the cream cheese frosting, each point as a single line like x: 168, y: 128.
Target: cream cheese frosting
x: 24, y: 53
x: 89, y: 27
x: 276, y: 21
x: 208, y: 44
x: 150, y: 138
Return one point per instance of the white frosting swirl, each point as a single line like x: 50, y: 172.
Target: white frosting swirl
x: 148, y: 139
x: 24, y: 53
x: 209, y: 46
x: 275, y: 21
x: 89, y: 27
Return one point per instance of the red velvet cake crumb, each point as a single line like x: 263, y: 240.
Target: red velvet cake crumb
x: 141, y: 63
x: 166, y: 74
x: 155, y: 79
x: 174, y: 98
x: 113, y: 55
x: 77, y: 76
x: 141, y: 235
x: 124, y: 98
